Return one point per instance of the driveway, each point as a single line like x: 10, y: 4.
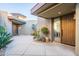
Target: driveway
x: 26, y: 46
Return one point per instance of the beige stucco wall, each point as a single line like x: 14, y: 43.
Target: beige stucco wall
x: 5, y: 22
x: 26, y: 29
x: 45, y: 22
x: 77, y: 29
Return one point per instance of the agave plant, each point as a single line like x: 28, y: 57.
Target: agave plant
x: 5, y: 38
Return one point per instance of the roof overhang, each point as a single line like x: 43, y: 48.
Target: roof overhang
x: 40, y: 7
x: 54, y: 10
x: 16, y: 21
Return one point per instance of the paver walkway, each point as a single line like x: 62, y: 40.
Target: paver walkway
x: 26, y: 46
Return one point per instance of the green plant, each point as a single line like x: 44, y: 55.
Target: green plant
x: 36, y: 35
x: 2, y: 29
x: 45, y: 30
x: 4, y: 37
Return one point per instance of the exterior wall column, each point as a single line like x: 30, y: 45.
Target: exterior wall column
x: 51, y: 30
x: 77, y: 30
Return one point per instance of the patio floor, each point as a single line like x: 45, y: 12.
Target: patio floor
x: 26, y: 46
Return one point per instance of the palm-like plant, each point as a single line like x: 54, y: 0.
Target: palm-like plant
x: 4, y: 37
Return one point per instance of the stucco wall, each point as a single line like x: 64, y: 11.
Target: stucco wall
x: 44, y: 22
x: 77, y: 29
x: 27, y: 28
x: 5, y: 22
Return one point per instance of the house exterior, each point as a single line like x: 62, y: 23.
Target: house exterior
x: 23, y: 26
x: 16, y: 23
x: 11, y: 22
x: 62, y: 20
x: 17, y: 20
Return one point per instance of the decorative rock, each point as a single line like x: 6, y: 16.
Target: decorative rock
x: 47, y: 39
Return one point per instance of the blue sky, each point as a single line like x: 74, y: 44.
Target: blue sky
x: 23, y: 8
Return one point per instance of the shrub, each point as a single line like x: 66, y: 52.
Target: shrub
x: 2, y: 29
x: 45, y: 30
x: 36, y: 35
x: 4, y: 37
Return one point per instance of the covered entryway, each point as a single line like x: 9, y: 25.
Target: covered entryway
x: 68, y: 29
x: 53, y: 10
x: 56, y: 11
x: 16, y: 23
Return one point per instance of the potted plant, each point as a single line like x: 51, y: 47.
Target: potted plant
x: 5, y: 38
x: 45, y: 32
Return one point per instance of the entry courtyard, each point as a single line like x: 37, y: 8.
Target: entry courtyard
x: 23, y: 45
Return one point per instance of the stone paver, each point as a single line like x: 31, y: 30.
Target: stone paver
x: 26, y: 46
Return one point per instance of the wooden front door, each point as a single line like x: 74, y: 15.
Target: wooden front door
x: 15, y: 29
x: 68, y: 29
